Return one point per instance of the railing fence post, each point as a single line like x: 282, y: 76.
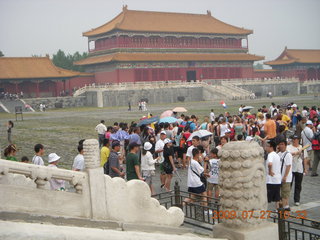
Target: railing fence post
x: 281, y: 224
x: 177, y: 198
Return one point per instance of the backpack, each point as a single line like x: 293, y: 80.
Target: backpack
x: 182, y: 142
x: 315, y: 142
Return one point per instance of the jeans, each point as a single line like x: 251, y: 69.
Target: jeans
x: 297, y: 179
x: 101, y: 137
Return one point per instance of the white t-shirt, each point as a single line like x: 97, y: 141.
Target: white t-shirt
x: 307, y: 135
x: 160, y: 146
x: 261, y: 122
x: 147, y: 162
x: 78, y: 162
x: 214, y: 171
x: 37, y: 160
x: 304, y: 113
x: 212, y: 117
x: 297, y: 160
x: 189, y: 151
x: 223, y: 129
x: 101, y: 128
x: 273, y: 158
x: 287, y: 163
x: 193, y: 179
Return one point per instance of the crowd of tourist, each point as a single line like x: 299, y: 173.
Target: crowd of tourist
x: 289, y: 135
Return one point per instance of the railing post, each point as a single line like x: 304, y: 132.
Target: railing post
x: 177, y: 198
x: 281, y: 224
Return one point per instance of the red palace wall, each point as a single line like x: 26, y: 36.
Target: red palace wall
x: 169, y: 74
x: 265, y: 74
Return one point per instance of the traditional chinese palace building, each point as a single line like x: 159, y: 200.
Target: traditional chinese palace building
x: 161, y: 46
x: 300, y: 63
x: 38, y: 77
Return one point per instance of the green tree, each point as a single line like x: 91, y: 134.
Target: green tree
x: 1, y: 54
x: 63, y: 60
x: 258, y: 66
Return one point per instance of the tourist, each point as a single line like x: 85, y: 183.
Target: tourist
x: 194, y: 183
x: 147, y: 165
x: 113, y: 164
x: 261, y: 121
x: 134, y: 137
x: 205, y: 125
x: 177, y: 149
x: 78, y: 162
x: 299, y: 166
x: 195, y: 143
x: 316, y: 152
x: 55, y: 184
x: 168, y: 164
x: 294, y: 116
x: 101, y: 130
x: 37, y: 158
x: 273, y: 169
x: 222, y: 128
x: 169, y: 132
x: 9, y: 131
x: 212, y: 117
x: 286, y: 173
x: 213, y: 170
x: 10, y: 153
x: 25, y: 159
x: 108, y: 133
x: 104, y: 152
x: 270, y: 128
x: 306, y: 136
x: 132, y: 162
x: 159, y: 150
x: 223, y: 141
x: 129, y: 106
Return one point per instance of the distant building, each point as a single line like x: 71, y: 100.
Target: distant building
x: 299, y: 63
x: 38, y: 77
x: 161, y: 46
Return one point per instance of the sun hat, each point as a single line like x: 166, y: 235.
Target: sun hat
x: 167, y: 140
x: 53, y: 157
x: 147, y: 146
x: 309, y: 122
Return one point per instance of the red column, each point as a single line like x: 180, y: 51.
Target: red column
x: 37, y: 89
x: 56, y: 89
x: 64, y: 86
x: 70, y: 90
x: 16, y: 86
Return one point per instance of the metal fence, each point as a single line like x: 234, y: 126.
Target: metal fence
x: 204, y: 213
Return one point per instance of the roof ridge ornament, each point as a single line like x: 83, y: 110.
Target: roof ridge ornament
x: 125, y: 8
x: 209, y: 13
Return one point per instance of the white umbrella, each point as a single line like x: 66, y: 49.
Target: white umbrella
x: 179, y: 109
x: 200, y: 134
x: 247, y: 108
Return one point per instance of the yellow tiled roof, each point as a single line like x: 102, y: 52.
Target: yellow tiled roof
x: 147, y: 21
x: 289, y: 56
x: 32, y: 68
x: 140, y: 57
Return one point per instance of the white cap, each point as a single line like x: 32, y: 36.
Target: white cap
x: 163, y: 132
x: 167, y: 140
x: 294, y: 105
x: 147, y: 146
x: 309, y: 122
x: 53, y: 157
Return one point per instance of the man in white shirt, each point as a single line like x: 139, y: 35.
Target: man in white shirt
x: 101, y: 130
x: 37, y: 159
x: 159, y: 150
x: 273, y: 169
x: 306, y: 136
x: 286, y: 173
x: 195, y: 143
x: 212, y: 116
x: 299, y: 166
x: 78, y: 162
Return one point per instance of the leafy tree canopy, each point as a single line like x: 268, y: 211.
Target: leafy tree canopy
x: 63, y: 60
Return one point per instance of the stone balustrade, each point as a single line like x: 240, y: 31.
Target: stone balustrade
x: 96, y: 196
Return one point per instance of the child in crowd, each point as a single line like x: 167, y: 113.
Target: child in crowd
x: 9, y: 131
x: 10, y: 152
x: 25, y: 159
x: 78, y: 162
x: 213, y: 170
x: 55, y: 184
x: 37, y: 159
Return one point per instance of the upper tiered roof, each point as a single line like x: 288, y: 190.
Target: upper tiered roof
x: 289, y: 56
x: 147, y: 21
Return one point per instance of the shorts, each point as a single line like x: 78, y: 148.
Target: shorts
x: 285, y: 190
x: 167, y: 168
x: 179, y: 151
x: 197, y: 190
x: 211, y: 186
x: 273, y: 192
x: 147, y: 175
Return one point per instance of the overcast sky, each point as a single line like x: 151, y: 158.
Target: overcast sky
x: 44, y: 26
